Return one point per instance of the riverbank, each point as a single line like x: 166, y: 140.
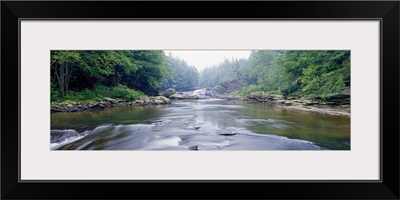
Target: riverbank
x: 75, y: 106
x: 335, y: 105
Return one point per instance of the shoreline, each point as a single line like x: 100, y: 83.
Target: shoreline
x: 74, y: 106
x: 301, y: 104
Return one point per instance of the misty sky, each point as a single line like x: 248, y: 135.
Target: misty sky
x: 202, y: 59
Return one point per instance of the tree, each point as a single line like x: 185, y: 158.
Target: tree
x: 262, y: 61
x: 63, y: 64
x: 150, y: 73
x: 181, y: 75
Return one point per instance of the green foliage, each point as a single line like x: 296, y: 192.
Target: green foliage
x: 249, y: 90
x: 101, y: 91
x: 82, y: 75
x: 224, y: 72
x: 310, y: 72
x: 54, y: 94
x: 294, y: 72
x: 330, y: 73
x: 74, y: 72
x: 151, y: 72
x: 123, y: 92
x: 219, y: 89
x: 181, y: 76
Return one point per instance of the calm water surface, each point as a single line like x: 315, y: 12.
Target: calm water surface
x: 206, y: 124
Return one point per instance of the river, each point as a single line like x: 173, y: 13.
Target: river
x: 204, y: 124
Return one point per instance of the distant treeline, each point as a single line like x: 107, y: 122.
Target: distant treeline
x: 91, y: 75
x: 311, y: 72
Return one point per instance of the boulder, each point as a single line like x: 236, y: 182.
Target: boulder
x: 110, y: 100
x: 162, y: 98
x: 225, y: 132
x: 168, y: 92
x: 182, y: 96
x: 194, y: 148
x: 176, y: 96
x: 158, y: 102
x: 193, y: 96
x: 209, y: 92
x: 144, y: 98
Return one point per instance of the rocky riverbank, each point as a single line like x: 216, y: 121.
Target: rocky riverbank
x: 73, y: 106
x: 338, y: 104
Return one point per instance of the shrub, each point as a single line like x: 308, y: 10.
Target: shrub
x: 123, y: 92
x: 98, y: 92
x: 54, y: 94
x: 219, y: 89
x: 250, y: 90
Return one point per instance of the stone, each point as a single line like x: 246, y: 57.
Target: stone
x: 168, y: 92
x: 158, y: 102
x: 176, y: 96
x: 144, y: 98
x: 194, y: 148
x: 225, y: 132
x: 110, y: 100
x: 165, y: 99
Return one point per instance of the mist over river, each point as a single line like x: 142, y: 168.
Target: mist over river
x: 201, y: 124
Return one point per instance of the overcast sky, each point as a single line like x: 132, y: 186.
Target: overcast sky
x: 202, y: 59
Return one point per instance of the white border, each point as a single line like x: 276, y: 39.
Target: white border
x: 39, y: 163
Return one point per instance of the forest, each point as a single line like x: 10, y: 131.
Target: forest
x: 91, y: 75
x: 299, y: 73
x: 129, y: 74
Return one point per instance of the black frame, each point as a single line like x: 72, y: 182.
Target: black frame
x: 386, y: 11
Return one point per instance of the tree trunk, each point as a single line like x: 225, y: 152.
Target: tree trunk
x: 61, y: 80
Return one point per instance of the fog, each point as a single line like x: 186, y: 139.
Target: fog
x: 207, y: 58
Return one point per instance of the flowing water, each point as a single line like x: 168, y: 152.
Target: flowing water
x: 204, y: 124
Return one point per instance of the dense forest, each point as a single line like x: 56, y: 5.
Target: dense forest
x: 91, y: 75
x: 283, y: 72
x: 181, y: 76
x: 129, y: 74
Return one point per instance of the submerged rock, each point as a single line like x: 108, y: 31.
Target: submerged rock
x: 225, y: 132
x: 195, y: 148
x: 57, y: 136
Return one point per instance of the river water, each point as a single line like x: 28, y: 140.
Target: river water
x: 204, y: 124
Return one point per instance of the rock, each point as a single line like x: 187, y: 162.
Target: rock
x: 181, y: 96
x: 225, y: 132
x: 193, y: 96
x: 96, y: 107
x: 233, y: 98
x: 230, y: 86
x: 209, y: 92
x: 195, y: 148
x: 158, y: 102
x: 139, y: 102
x: 56, y: 109
x: 57, y: 136
x: 193, y: 127
x: 284, y: 102
x: 144, y: 98
x: 165, y: 99
x: 168, y: 92
x: 110, y: 100
x: 73, y: 109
